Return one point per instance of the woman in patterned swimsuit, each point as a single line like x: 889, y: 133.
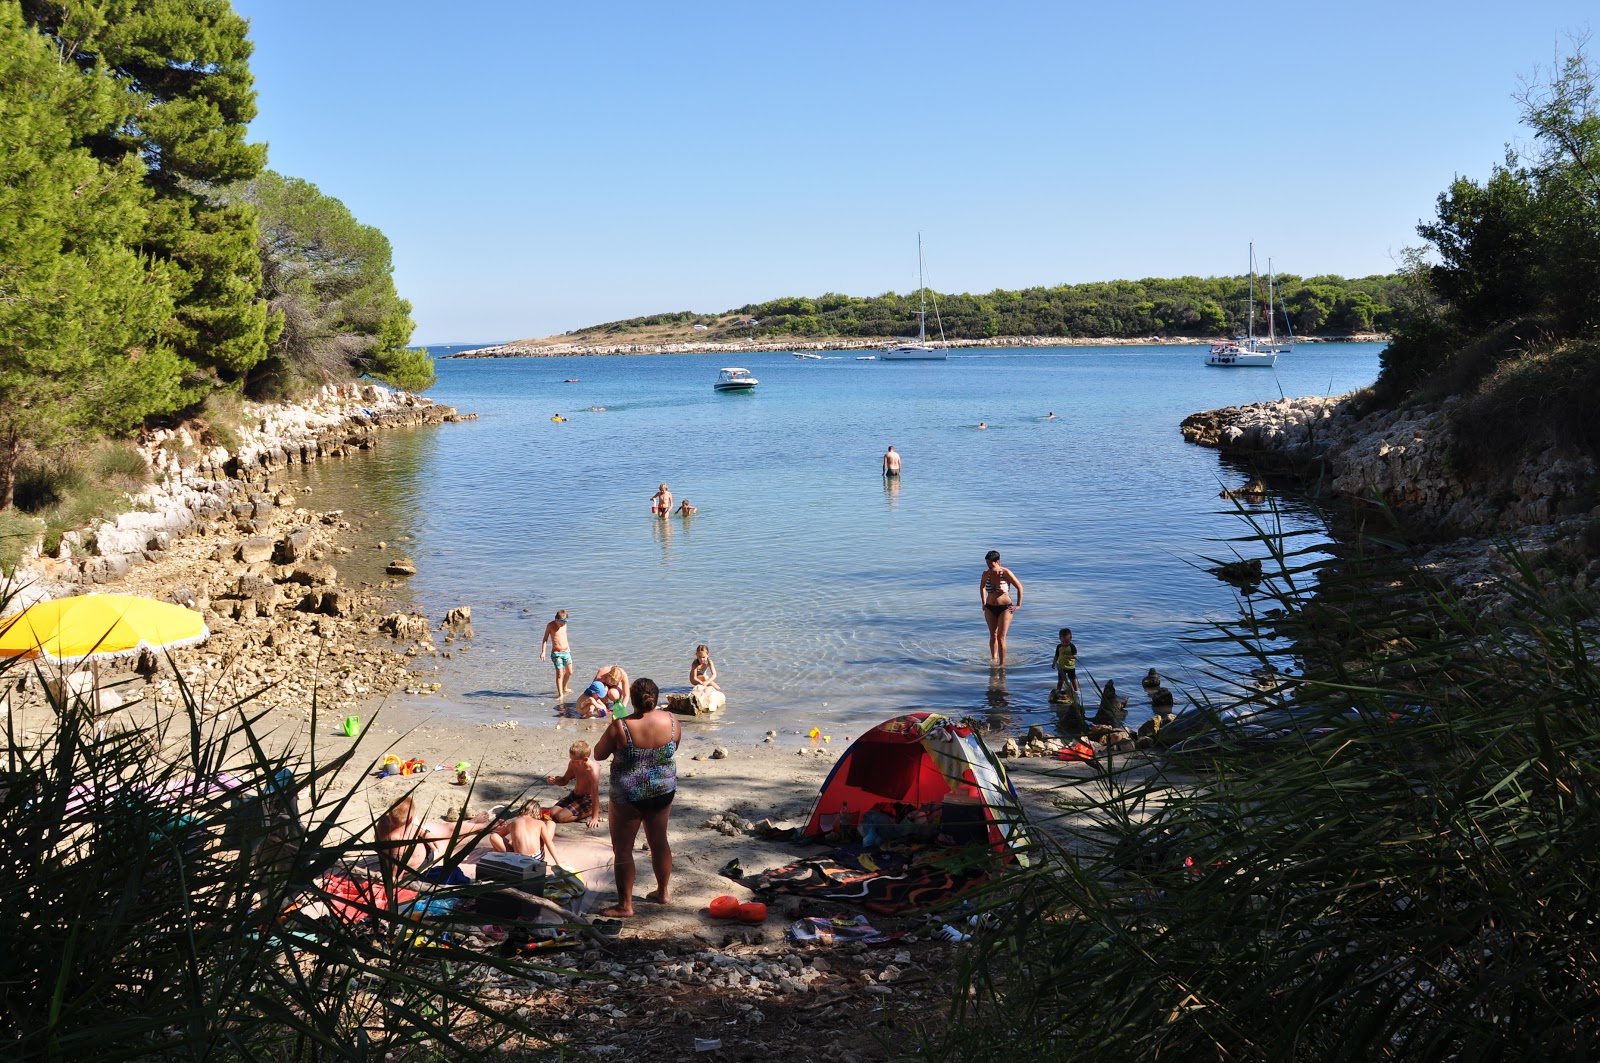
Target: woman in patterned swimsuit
x: 642, y: 748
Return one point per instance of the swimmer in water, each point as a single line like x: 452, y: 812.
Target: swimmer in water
x: 602, y: 409
x: 891, y: 463
x: 1050, y: 416
x: 982, y: 425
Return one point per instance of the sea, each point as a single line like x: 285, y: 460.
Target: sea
x: 830, y: 597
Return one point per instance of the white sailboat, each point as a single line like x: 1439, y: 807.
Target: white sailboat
x: 921, y: 350
x: 1248, y: 350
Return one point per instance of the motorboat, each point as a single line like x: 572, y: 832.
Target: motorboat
x: 735, y: 379
x: 808, y: 356
x: 1249, y: 349
x: 866, y: 358
x: 921, y: 350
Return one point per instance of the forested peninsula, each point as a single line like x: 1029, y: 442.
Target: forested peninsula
x: 1324, y: 306
x: 153, y: 271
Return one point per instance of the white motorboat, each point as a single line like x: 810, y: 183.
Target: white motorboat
x: 1250, y: 350
x: 866, y: 358
x: 735, y: 379
x: 804, y: 354
x: 921, y: 350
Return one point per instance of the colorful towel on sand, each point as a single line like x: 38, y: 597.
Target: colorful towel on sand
x: 352, y: 900
x: 817, y: 930
x: 877, y: 881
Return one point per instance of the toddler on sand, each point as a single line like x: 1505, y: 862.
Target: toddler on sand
x: 584, y: 800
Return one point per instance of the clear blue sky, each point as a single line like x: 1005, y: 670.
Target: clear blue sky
x: 541, y: 166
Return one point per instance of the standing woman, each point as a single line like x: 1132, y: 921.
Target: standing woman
x: 997, y: 603
x: 642, y: 748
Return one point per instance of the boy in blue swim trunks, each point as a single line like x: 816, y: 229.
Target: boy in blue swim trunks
x: 555, y: 638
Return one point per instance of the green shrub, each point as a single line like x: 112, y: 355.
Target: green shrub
x: 119, y: 463
x: 147, y: 917
x: 17, y: 532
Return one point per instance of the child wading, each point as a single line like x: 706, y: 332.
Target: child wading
x: 1066, y: 665
x: 555, y: 639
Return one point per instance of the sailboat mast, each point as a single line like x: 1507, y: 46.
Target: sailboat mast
x: 1251, y: 330
x: 922, y: 297
x: 1272, y: 332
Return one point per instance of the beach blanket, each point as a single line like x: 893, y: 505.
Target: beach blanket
x: 877, y: 880
x: 817, y: 930
x: 352, y: 900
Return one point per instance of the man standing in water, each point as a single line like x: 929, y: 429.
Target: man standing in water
x: 891, y: 463
x: 555, y: 638
x: 994, y: 588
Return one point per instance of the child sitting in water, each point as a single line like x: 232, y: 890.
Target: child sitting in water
x: 592, y: 702
x: 702, y: 671
x: 584, y: 800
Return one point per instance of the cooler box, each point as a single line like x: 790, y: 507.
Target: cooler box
x: 962, y: 819
x: 514, y: 869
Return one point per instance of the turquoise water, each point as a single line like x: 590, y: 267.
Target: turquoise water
x: 827, y: 597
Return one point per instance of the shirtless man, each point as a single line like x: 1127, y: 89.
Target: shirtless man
x: 997, y: 603
x: 560, y: 650
x: 891, y: 463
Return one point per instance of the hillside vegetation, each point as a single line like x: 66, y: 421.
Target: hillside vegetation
x: 149, y: 262
x: 1125, y: 309
x: 1501, y: 306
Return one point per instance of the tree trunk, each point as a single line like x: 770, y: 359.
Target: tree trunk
x: 10, y: 443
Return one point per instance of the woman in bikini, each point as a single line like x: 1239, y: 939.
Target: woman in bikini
x: 997, y: 603
x: 642, y: 748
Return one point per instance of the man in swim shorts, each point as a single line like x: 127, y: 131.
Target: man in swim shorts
x: 555, y: 638
x: 891, y: 463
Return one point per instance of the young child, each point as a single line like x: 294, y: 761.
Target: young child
x: 1066, y: 664
x: 528, y: 832
x: 702, y: 671
x: 592, y: 702
x: 685, y: 509
x: 584, y: 800
x: 555, y: 638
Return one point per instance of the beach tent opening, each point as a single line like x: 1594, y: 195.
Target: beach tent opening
x: 927, y: 761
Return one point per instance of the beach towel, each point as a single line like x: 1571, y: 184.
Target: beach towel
x: 352, y: 900
x: 876, y: 880
x: 817, y: 930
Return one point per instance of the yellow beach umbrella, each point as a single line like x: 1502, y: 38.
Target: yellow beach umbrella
x: 99, y: 627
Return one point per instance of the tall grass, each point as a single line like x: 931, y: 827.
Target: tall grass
x: 69, y: 488
x: 146, y: 916
x: 1394, y: 857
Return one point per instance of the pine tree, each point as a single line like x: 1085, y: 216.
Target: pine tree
x: 182, y: 67
x: 80, y: 307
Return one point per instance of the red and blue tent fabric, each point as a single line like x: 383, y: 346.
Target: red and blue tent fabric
x: 921, y: 759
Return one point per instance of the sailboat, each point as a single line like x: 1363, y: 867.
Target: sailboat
x: 1249, y: 350
x: 921, y: 350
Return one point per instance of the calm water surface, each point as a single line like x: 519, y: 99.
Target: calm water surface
x: 827, y: 597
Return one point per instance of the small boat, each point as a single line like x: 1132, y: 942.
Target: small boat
x: 813, y: 357
x: 866, y: 358
x: 1248, y: 350
x: 570, y: 380
x: 921, y: 350
x: 735, y: 379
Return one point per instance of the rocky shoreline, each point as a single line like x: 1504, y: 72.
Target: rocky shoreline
x: 1400, y: 460
x: 211, y: 533
x: 556, y: 348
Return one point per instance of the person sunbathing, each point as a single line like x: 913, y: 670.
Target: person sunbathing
x: 407, y: 843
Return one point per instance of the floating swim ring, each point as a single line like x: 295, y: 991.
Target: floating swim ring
x: 558, y: 417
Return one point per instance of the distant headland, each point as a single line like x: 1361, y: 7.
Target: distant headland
x: 1178, y: 310
x: 563, y: 346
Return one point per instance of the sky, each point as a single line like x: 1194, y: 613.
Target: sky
x: 540, y: 167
